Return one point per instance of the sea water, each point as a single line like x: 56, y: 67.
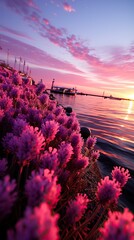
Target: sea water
x: 112, y: 122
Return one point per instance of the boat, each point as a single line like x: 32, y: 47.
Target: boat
x: 62, y: 90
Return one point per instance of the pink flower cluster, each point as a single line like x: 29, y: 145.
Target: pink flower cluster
x: 121, y: 175
x: 42, y: 164
x: 76, y: 208
x: 119, y: 226
x: 36, y: 224
x: 108, y: 191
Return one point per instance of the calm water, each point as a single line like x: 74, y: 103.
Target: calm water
x: 112, y: 122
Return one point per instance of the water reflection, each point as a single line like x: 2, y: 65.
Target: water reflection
x: 129, y: 110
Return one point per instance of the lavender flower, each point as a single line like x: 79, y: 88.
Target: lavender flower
x: 14, y: 93
x: 62, y: 119
x: 19, y: 126
x: 44, y: 98
x: 76, y: 140
x: 3, y: 167
x: 49, y: 159
x: 69, y: 122
x: 62, y: 133
x: 6, y: 103
x: 17, y: 80
x: 80, y: 163
x: 108, y: 191
x: 52, y: 106
x: 94, y: 156
x: 76, y: 125
x: 119, y: 226
x: 77, y: 143
x: 40, y: 88
x: 41, y: 187
x: 121, y: 175
x: 90, y: 142
x: 50, y: 130
x: 7, y: 196
x: 36, y: 224
x: 76, y: 208
x: 31, y: 142
x: 64, y: 153
x: 34, y: 117
x: 49, y: 117
x: 58, y: 111
x: 11, y: 143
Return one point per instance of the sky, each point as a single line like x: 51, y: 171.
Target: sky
x: 87, y: 44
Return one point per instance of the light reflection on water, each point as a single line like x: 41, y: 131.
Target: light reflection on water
x: 112, y: 122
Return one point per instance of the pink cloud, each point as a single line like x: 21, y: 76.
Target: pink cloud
x: 120, y: 67
x: 68, y: 8
x: 32, y: 4
x: 33, y: 17
x: 23, y: 7
x: 46, y: 21
x: 16, y: 33
x: 35, y: 56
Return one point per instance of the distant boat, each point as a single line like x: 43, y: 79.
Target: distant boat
x: 62, y: 90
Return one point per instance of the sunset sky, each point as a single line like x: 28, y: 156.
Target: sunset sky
x: 87, y: 44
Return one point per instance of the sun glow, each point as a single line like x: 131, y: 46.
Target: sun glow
x: 129, y: 110
x: 131, y: 96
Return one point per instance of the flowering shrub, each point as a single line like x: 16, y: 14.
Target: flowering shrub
x: 45, y: 167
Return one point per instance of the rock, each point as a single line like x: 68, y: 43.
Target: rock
x: 85, y: 132
x: 68, y: 110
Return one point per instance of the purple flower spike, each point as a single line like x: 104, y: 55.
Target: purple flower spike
x: 50, y: 130
x: 94, y: 156
x: 49, y: 160
x: 76, y: 140
x: 119, y: 226
x: 64, y: 153
x: 108, y: 191
x: 58, y: 111
x: 80, y: 163
x: 62, y: 119
x: 121, y: 175
x: 41, y: 187
x: 44, y: 98
x: 19, y: 126
x: 40, y: 88
x: 6, y: 103
x: 31, y: 142
x: 76, y: 208
x: 7, y: 196
x: 90, y: 143
x: 36, y: 224
x: 17, y: 79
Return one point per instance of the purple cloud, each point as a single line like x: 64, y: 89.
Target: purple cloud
x: 12, y: 31
x: 46, y: 21
x: 34, y: 55
x: 34, y: 17
x: 68, y: 8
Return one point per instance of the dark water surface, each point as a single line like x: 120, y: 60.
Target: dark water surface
x: 112, y: 122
